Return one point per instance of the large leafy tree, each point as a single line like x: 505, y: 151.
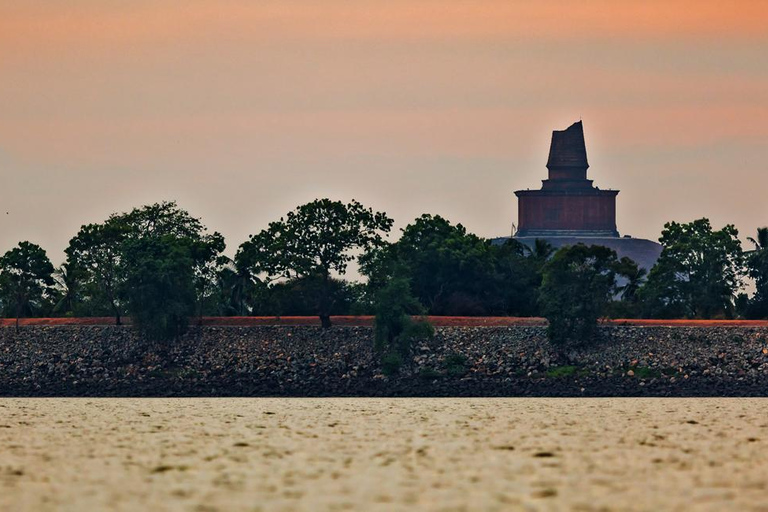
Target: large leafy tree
x: 757, y: 269
x: 170, y: 264
x: 96, y: 251
x: 446, y: 264
x: 455, y: 272
x: 99, y: 251
x: 314, y: 241
x: 26, y: 274
x: 698, y: 273
x: 579, y: 282
x: 160, y: 284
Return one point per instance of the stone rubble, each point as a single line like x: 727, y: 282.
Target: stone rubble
x: 310, y: 361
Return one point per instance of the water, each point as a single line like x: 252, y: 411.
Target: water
x: 383, y: 454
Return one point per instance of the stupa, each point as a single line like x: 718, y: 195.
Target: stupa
x: 567, y: 203
x: 569, y: 209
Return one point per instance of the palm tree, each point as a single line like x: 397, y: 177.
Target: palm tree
x: 541, y: 250
x: 68, y: 283
x: 634, y: 276
x: 757, y: 265
x: 761, y: 243
x: 239, y: 289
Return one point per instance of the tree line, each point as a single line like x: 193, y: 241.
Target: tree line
x: 162, y: 267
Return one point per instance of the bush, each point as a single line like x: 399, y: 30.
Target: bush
x: 645, y: 372
x: 395, y: 329
x: 566, y: 371
x: 429, y: 374
x: 455, y: 365
x: 391, y: 363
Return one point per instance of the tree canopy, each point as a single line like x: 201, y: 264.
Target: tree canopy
x: 578, y: 284
x: 160, y: 257
x: 95, y: 252
x: 757, y: 269
x: 453, y: 272
x: 697, y: 274
x: 129, y: 261
x: 160, y: 284
x: 26, y: 274
x: 314, y: 241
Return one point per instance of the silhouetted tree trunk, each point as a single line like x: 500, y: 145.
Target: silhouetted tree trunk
x: 18, y: 314
x: 116, y: 310
x: 325, y: 302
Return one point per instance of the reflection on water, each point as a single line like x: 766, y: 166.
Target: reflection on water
x: 383, y: 454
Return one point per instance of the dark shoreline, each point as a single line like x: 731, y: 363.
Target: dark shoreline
x: 306, y: 361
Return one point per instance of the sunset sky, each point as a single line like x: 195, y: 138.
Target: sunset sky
x: 241, y: 110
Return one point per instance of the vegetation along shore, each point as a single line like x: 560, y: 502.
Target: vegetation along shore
x: 159, y: 267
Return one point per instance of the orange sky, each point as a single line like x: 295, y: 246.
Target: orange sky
x: 241, y: 109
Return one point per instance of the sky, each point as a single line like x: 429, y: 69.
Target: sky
x: 242, y: 110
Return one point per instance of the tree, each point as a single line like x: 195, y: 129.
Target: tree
x: 395, y: 330
x: 240, y: 293
x: 757, y: 269
x: 67, y: 293
x: 170, y: 263
x: 26, y: 273
x: 160, y: 285
x: 444, y: 264
x: 314, y: 241
x: 578, y: 284
x: 167, y: 221
x: 99, y: 250
x: 697, y: 274
x: 634, y: 277
x: 453, y: 272
x: 96, y: 251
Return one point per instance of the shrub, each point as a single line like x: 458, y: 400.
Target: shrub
x: 566, y: 371
x: 455, y: 365
x: 429, y: 374
x: 644, y: 372
x: 391, y: 363
x: 395, y: 329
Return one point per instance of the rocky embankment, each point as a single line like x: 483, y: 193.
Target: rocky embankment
x: 310, y: 361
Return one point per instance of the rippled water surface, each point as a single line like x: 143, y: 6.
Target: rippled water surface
x: 383, y: 454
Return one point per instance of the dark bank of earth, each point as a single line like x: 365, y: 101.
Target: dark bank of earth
x: 309, y: 361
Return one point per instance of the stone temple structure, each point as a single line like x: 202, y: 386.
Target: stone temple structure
x: 568, y: 204
x: 569, y: 209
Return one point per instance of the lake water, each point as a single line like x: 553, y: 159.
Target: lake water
x: 383, y: 454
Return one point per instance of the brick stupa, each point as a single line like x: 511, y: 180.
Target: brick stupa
x: 569, y: 209
x: 568, y: 204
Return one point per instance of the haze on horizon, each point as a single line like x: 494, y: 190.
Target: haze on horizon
x: 242, y: 110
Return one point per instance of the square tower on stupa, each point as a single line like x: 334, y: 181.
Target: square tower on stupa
x: 568, y: 204
x: 569, y: 209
